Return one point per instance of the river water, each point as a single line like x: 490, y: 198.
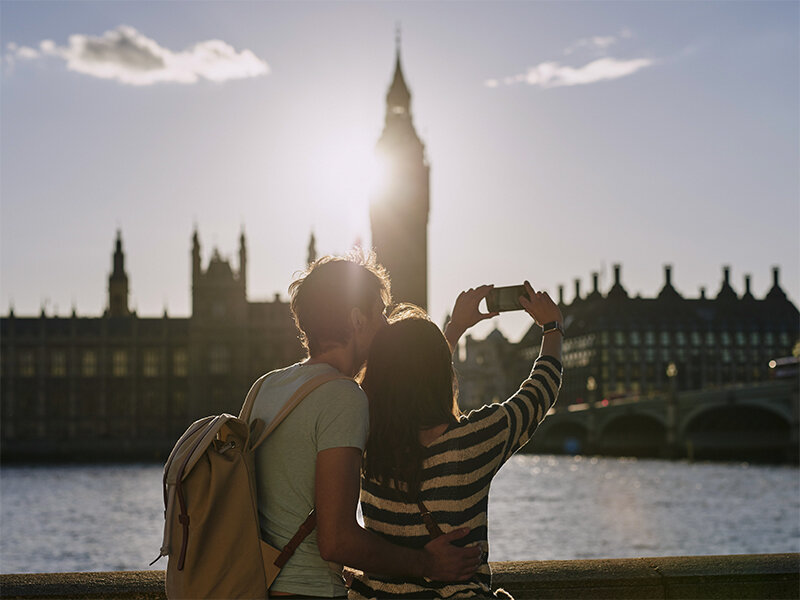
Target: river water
x: 110, y: 517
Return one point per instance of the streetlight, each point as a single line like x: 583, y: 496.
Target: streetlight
x: 672, y: 410
x: 591, y: 386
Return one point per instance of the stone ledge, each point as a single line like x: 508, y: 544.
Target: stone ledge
x: 729, y: 577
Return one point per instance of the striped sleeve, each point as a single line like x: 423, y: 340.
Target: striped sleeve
x: 528, y: 407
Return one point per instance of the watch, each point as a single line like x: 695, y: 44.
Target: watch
x: 553, y: 326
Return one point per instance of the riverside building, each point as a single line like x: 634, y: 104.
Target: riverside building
x: 623, y: 346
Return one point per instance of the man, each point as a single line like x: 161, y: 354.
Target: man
x: 313, y: 459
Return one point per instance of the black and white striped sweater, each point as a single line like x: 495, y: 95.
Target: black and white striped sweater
x: 458, y: 468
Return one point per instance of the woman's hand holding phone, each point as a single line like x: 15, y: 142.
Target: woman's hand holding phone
x: 466, y: 313
x: 540, y: 306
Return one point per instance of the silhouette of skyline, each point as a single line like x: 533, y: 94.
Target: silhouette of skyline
x: 562, y: 138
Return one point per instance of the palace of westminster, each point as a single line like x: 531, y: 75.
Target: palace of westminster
x: 122, y: 386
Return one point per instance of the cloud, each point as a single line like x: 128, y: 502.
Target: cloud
x: 552, y: 74
x: 598, y: 43
x: 125, y: 55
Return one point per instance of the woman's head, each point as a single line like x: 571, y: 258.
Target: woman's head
x: 410, y: 384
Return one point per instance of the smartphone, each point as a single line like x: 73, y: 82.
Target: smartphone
x: 502, y: 299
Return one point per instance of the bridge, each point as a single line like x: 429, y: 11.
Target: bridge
x: 759, y: 422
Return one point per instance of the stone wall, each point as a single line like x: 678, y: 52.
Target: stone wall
x: 746, y: 576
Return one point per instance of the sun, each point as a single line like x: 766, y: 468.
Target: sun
x: 346, y: 174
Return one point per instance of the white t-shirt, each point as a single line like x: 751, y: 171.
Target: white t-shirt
x: 334, y: 415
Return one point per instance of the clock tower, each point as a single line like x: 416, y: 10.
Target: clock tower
x: 399, y: 209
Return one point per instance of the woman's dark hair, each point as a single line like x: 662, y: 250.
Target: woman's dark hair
x: 410, y: 384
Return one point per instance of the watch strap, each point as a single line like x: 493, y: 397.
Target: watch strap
x: 553, y: 326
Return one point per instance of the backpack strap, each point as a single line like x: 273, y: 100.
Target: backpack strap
x: 303, y: 391
x: 302, y: 533
x: 430, y: 524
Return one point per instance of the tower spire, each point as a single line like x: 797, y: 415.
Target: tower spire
x: 312, y: 249
x: 398, y: 98
x: 118, y: 282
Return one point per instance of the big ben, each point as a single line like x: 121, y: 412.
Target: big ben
x: 399, y: 209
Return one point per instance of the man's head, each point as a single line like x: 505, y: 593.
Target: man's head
x: 337, y: 300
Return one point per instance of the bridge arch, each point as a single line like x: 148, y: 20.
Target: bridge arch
x: 633, y: 434
x: 568, y: 436
x: 741, y: 431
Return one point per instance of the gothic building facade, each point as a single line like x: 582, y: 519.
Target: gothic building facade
x: 121, y: 385
x: 618, y: 345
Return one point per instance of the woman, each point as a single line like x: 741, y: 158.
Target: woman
x: 423, y: 455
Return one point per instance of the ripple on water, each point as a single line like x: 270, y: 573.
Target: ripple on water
x: 110, y: 517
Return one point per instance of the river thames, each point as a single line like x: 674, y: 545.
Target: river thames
x: 110, y: 517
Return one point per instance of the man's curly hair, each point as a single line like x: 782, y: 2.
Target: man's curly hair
x: 322, y: 296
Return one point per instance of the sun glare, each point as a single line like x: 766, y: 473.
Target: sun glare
x: 346, y: 173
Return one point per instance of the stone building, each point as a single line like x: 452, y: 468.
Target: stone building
x: 124, y: 386
x: 618, y: 345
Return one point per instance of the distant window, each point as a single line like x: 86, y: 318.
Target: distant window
x: 180, y: 362
x: 650, y: 355
x: 725, y: 338
x: 178, y: 403
x: 650, y: 338
x: 219, y: 360
x: 635, y: 338
x: 27, y: 364
x: 755, y: 339
x: 680, y: 338
x: 710, y: 338
x: 151, y: 363
x: 784, y: 338
x: 726, y: 355
x: 769, y: 339
x: 58, y: 363
x: 604, y: 338
x: 119, y: 363
x: 665, y: 338
x: 619, y: 338
x: 665, y: 354
x: 604, y: 356
x: 89, y: 363
x: 398, y: 110
x: 696, y: 339
x: 740, y: 338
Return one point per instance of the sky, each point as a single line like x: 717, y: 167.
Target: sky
x: 563, y: 138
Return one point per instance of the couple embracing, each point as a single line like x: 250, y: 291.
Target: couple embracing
x: 398, y: 442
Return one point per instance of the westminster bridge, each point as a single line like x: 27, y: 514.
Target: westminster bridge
x: 757, y: 422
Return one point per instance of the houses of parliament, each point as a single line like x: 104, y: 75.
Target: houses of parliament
x: 124, y: 386
x: 121, y: 386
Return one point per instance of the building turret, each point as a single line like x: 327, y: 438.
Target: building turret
x: 726, y: 291
x: 243, y: 263
x: 617, y: 291
x: 312, y: 249
x: 595, y: 293
x: 399, y: 210
x: 118, y: 283
x: 748, y: 295
x: 776, y: 293
x: 668, y: 291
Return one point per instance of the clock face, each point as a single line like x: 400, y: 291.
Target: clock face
x: 398, y: 110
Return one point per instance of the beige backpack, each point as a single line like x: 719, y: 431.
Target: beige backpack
x: 211, y: 533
